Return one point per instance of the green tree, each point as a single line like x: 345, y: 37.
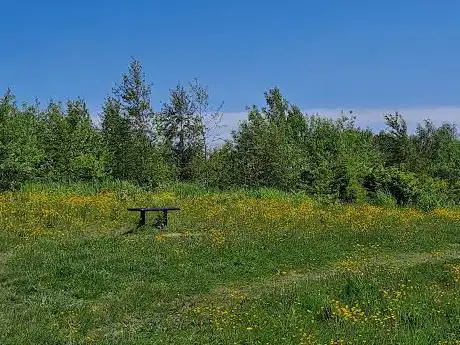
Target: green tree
x: 133, y: 95
x: 182, y: 128
x: 128, y: 130
x: 118, y: 141
x: 435, y: 150
x: 72, y: 144
x: 265, y: 151
x: 55, y: 142
x: 210, y: 120
x: 20, y: 150
x: 86, y: 154
x: 394, y: 143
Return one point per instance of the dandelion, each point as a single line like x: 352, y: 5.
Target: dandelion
x: 344, y: 312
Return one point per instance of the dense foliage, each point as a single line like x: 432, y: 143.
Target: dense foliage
x: 278, y: 146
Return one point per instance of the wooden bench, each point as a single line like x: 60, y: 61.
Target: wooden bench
x: 162, y: 221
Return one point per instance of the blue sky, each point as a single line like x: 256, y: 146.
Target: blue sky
x: 324, y: 55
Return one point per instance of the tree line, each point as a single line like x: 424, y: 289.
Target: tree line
x: 277, y: 146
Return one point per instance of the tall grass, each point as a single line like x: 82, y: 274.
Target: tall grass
x: 244, y: 267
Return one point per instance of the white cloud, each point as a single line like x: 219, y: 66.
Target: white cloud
x: 366, y: 117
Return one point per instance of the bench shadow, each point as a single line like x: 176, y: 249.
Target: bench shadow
x: 156, y: 225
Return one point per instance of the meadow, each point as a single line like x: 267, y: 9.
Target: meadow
x: 260, y: 267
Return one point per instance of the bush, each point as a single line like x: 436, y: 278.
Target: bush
x: 403, y: 186
x: 433, y: 194
x: 385, y: 199
x: 354, y: 192
x: 406, y: 188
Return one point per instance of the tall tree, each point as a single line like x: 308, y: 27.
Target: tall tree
x: 394, y: 143
x: 87, y: 157
x: 133, y: 94
x: 118, y: 140
x: 435, y: 150
x: 210, y: 119
x: 20, y: 150
x: 128, y: 123
x: 277, y: 107
x: 264, y: 150
x: 182, y: 129
x: 55, y: 141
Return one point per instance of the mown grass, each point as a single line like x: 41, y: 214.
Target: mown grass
x: 232, y: 268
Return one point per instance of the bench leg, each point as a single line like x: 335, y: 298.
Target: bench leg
x: 142, y: 219
x: 165, y: 218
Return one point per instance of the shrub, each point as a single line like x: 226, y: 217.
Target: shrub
x: 385, y: 199
x: 433, y: 193
x: 403, y: 186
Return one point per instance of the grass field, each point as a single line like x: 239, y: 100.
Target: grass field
x: 232, y: 268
